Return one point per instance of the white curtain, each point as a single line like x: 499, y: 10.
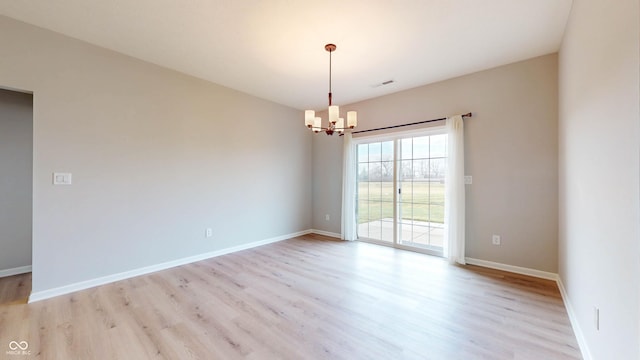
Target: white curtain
x: 454, y: 207
x: 349, y: 223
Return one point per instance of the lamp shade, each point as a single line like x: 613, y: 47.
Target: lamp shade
x: 309, y: 116
x: 352, y: 119
x: 340, y: 125
x: 317, y: 124
x: 334, y: 113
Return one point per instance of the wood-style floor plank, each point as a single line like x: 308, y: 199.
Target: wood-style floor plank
x: 304, y: 298
x: 15, y: 289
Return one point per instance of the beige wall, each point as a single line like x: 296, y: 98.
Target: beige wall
x: 510, y: 150
x: 16, y: 153
x: 599, y: 252
x: 327, y: 181
x: 156, y: 158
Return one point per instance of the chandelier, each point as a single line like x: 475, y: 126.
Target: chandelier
x: 336, y: 123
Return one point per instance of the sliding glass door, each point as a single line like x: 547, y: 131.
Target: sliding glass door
x: 401, y: 191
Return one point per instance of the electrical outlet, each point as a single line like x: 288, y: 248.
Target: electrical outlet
x: 208, y: 233
x: 495, y: 240
x: 468, y: 180
x: 327, y: 217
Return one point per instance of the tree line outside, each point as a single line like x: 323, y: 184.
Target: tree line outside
x: 420, y: 169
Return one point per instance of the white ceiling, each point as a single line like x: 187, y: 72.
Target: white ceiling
x: 274, y: 49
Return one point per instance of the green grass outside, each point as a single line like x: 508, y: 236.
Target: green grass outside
x: 375, y: 201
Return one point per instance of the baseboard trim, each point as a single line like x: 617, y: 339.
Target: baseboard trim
x: 66, y: 289
x: 513, y: 269
x: 326, y: 233
x: 577, y: 330
x: 15, y: 271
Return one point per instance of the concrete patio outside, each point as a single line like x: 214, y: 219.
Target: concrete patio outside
x: 412, y: 233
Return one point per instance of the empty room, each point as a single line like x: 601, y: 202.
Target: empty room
x: 411, y: 179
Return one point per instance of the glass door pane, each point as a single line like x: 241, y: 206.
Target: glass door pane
x: 375, y: 191
x: 421, y: 200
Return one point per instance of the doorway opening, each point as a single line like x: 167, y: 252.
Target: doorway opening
x: 16, y: 195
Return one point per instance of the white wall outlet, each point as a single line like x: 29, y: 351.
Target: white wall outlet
x: 496, y: 240
x: 208, y: 233
x: 596, y: 317
x: 468, y: 180
x: 327, y: 217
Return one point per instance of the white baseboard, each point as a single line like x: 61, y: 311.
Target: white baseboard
x: 15, y: 271
x: 46, y: 294
x: 513, y: 269
x: 326, y: 233
x: 577, y: 330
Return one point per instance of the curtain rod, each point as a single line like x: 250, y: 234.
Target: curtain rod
x: 409, y: 124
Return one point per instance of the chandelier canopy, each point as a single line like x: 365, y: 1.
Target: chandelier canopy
x: 336, y: 123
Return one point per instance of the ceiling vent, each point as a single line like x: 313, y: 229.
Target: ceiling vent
x: 388, y: 82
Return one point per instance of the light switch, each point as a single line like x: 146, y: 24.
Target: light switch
x: 468, y: 180
x: 61, y: 178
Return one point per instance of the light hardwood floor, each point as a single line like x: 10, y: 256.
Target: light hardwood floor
x: 15, y: 289
x: 304, y: 298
